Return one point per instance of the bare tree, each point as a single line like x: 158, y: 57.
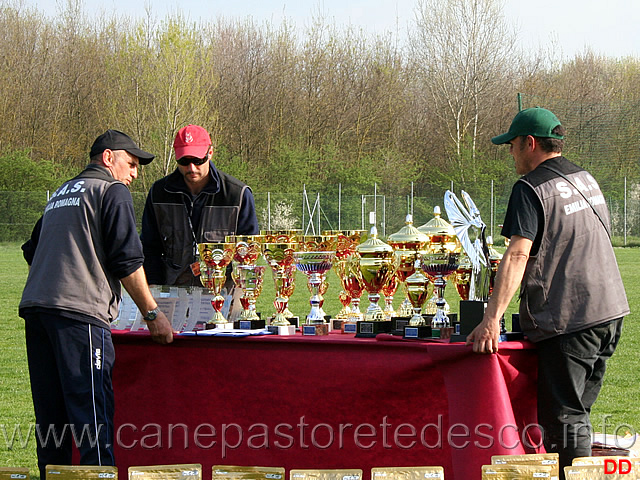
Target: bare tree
x: 462, y: 49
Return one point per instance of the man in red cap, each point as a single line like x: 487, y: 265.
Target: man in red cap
x: 196, y: 203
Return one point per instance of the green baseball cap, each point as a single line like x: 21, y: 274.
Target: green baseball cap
x: 536, y: 121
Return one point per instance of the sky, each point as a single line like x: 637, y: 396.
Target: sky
x: 607, y: 27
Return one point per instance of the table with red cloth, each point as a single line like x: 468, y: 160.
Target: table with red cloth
x: 322, y: 402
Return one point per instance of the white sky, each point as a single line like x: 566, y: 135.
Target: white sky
x: 609, y: 27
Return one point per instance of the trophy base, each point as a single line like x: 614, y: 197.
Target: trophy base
x: 369, y: 329
x: 249, y: 324
x: 398, y: 324
x: 316, y: 329
x: 345, y: 326
x: 509, y: 336
x: 421, y: 331
x: 282, y: 330
x: 222, y: 326
x: 471, y: 313
x: 295, y: 321
x: 425, y: 332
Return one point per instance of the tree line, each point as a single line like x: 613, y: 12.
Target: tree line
x: 287, y: 107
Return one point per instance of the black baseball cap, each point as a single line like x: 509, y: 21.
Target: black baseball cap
x: 116, y: 140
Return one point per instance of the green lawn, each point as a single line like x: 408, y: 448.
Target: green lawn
x: 16, y: 412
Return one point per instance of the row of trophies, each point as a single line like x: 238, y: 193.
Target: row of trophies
x: 419, y: 258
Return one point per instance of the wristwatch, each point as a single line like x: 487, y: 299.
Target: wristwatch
x: 151, y: 315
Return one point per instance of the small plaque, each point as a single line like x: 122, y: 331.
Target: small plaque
x: 398, y: 324
x: 366, y: 329
x: 7, y: 473
x: 421, y: 331
x: 80, y: 472
x: 282, y: 330
x: 220, y: 326
x: 318, y: 329
x: 188, y: 471
x: 349, y: 327
x: 249, y: 324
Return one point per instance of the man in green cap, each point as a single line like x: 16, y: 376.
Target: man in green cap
x: 572, y: 299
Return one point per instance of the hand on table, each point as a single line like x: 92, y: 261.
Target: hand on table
x: 485, y: 337
x: 161, y: 330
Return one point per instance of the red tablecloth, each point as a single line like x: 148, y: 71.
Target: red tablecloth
x: 322, y: 402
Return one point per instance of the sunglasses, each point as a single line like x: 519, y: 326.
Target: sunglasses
x: 185, y: 161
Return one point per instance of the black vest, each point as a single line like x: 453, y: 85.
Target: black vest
x: 172, y: 208
x: 573, y: 282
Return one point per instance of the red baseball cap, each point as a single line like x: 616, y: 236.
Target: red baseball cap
x: 191, y: 141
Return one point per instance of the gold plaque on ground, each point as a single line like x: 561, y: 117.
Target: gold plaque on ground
x: 338, y: 474
x: 516, y: 472
x: 80, y: 472
x: 7, y: 473
x: 548, y: 459
x: 407, y: 473
x: 599, y: 460
x: 235, y: 472
x: 188, y: 471
x: 591, y: 472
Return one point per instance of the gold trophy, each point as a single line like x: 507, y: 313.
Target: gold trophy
x: 438, y: 266
x: 248, y: 276
x: 314, y: 258
x: 283, y: 236
x: 279, y: 256
x: 346, y: 243
x: 377, y: 265
x: 417, y: 292
x: 214, y: 259
x: 389, y: 290
x: 441, y: 236
x: 462, y: 277
x: 407, y: 243
x: 351, y: 279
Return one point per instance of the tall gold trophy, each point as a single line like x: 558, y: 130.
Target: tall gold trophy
x: 377, y: 265
x: 407, y: 243
x: 417, y: 287
x: 248, y: 276
x: 441, y: 236
x: 351, y: 279
x: 280, y: 258
x: 314, y: 258
x: 214, y: 259
x: 462, y: 277
x: 438, y: 266
x: 346, y: 243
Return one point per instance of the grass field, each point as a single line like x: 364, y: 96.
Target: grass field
x: 17, y: 446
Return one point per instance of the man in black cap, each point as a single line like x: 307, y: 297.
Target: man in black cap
x: 80, y: 250
x: 572, y: 299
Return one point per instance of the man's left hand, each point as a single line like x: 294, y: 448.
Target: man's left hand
x: 485, y: 337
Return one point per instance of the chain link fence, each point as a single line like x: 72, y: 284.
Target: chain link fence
x: 314, y: 213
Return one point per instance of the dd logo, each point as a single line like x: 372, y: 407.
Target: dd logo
x: 622, y: 466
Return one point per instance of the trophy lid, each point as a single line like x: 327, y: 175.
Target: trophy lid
x: 408, y: 237
x: 437, y: 225
x: 373, y: 244
x: 317, y: 243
